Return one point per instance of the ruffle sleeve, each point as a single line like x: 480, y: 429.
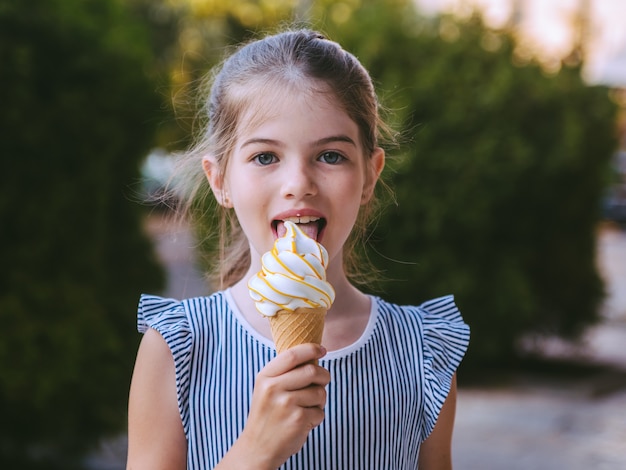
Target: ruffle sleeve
x: 169, y: 318
x: 446, y: 338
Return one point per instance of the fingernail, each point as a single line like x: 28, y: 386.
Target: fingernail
x: 323, y: 350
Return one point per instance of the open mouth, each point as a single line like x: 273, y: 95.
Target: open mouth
x: 311, y: 226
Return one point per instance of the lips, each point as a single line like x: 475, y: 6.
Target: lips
x: 312, y: 225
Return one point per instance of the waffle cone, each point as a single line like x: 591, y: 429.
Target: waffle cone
x: 303, y: 325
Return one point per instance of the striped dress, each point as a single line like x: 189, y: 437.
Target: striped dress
x: 383, y: 400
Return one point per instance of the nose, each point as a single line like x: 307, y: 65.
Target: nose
x: 299, y: 181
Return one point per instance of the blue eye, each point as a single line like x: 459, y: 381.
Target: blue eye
x: 332, y: 158
x: 264, y: 158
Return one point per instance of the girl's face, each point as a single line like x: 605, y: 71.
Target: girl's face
x: 303, y: 161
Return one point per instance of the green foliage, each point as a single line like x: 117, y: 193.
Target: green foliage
x: 75, y: 123
x: 499, y: 186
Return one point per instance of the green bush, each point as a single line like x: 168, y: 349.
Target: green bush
x: 75, y: 123
x: 499, y: 184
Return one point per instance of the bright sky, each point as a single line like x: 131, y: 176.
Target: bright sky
x: 547, y: 25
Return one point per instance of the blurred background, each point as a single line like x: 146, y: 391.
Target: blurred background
x: 509, y: 183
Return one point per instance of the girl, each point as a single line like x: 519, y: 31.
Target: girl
x: 292, y: 134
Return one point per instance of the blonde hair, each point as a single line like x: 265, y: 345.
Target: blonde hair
x: 287, y: 59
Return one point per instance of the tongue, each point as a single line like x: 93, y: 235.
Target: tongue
x: 310, y: 229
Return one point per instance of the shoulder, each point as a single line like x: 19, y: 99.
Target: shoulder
x: 184, y: 327
x: 432, y: 306
x: 168, y: 315
x: 439, y: 320
x: 444, y: 339
x: 441, y: 311
x: 436, y: 324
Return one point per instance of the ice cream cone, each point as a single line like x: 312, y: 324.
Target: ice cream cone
x: 302, y: 325
x: 291, y: 289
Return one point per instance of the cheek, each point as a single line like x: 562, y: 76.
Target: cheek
x: 346, y: 216
x: 354, y: 191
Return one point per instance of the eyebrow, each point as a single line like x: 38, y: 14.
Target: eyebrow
x: 335, y: 138
x: 323, y: 141
x: 259, y: 140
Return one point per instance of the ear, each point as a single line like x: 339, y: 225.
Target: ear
x: 375, y: 168
x: 216, y: 181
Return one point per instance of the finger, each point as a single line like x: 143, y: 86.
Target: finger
x: 305, y: 417
x: 311, y: 397
x: 304, y: 376
x: 313, y: 417
x: 296, y: 379
x: 292, y: 358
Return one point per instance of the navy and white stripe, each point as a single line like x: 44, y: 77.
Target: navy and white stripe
x: 384, y: 398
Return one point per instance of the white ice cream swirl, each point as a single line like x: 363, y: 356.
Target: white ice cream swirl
x: 293, y: 275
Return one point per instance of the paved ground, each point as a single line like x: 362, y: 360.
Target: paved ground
x: 528, y: 422
x: 539, y: 428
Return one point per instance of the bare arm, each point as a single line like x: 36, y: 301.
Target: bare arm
x: 436, y: 450
x: 287, y: 402
x: 156, y: 439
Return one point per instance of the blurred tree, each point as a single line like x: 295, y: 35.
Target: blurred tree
x: 75, y: 123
